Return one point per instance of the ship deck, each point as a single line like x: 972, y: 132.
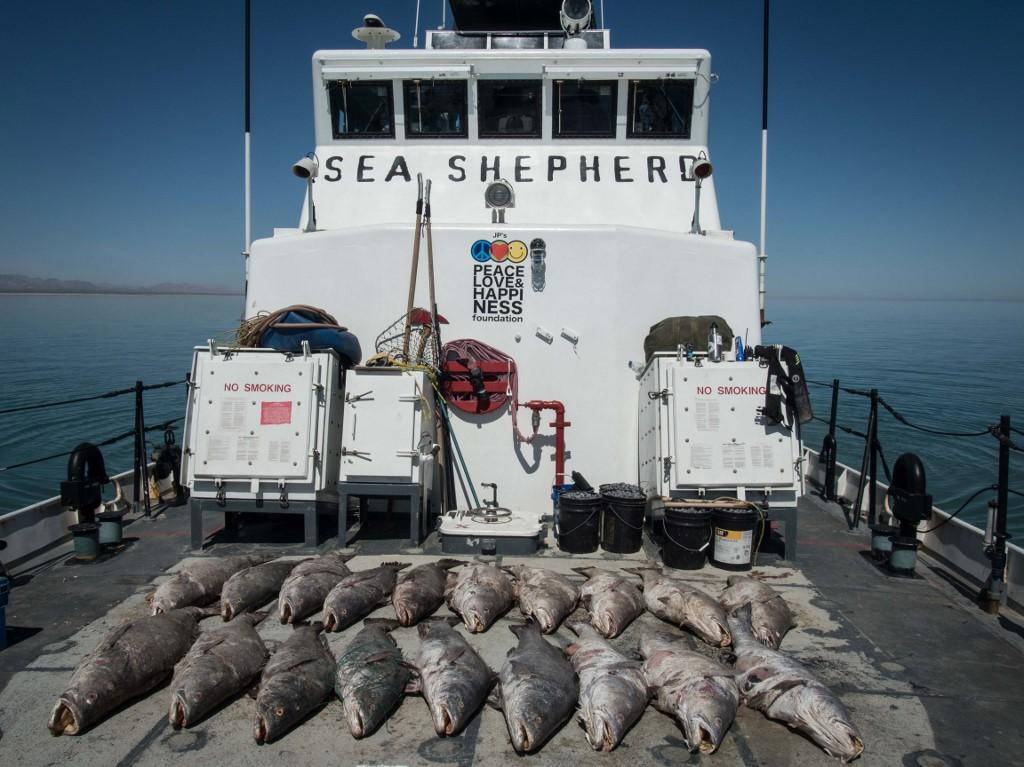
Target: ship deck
x: 929, y: 678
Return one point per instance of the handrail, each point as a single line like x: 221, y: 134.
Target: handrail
x: 105, y: 395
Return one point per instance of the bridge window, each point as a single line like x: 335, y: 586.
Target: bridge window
x: 435, y: 109
x: 660, y: 108
x: 509, y: 108
x: 361, y: 109
x: 584, y: 109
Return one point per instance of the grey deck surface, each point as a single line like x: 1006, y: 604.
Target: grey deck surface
x: 930, y: 680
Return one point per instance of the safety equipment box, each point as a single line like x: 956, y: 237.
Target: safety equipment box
x: 703, y: 435
x: 263, y: 425
x: 390, y: 426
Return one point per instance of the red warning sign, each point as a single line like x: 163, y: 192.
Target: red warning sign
x: 272, y: 413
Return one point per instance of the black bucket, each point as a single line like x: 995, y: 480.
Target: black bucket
x: 579, y: 522
x: 735, y: 532
x: 622, y: 529
x: 687, y: 538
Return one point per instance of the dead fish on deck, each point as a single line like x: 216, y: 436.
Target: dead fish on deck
x: 420, y: 591
x: 783, y: 689
x: 223, y: 662
x: 544, y: 595
x: 305, y: 588
x: 254, y: 586
x: 480, y: 594
x: 612, y: 600
x: 613, y: 691
x: 297, y: 679
x: 357, y: 595
x: 770, y: 617
x: 700, y: 693
x: 537, y: 689
x: 130, y: 661
x: 200, y: 582
x: 370, y: 676
x: 684, y: 605
x: 453, y: 679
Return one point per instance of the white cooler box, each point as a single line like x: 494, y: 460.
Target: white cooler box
x: 263, y: 425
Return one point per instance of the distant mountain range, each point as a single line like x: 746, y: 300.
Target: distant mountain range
x: 19, y: 283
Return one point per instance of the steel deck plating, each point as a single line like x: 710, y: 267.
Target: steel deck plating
x: 929, y: 678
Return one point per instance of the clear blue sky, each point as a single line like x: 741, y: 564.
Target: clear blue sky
x: 895, y: 162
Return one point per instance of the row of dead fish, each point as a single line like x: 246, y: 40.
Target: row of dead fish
x: 538, y: 688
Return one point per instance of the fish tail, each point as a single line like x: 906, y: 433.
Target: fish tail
x: 387, y: 624
x: 448, y: 564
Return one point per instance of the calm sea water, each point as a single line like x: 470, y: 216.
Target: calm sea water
x: 951, y: 365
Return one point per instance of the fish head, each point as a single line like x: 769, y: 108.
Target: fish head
x: 280, y: 707
x: 827, y: 721
x: 706, y: 712
x: 188, y: 703
x: 476, y: 619
x: 523, y: 735
x: 405, y: 610
x: 362, y: 713
x: 447, y: 709
x: 94, y: 691
x: 604, y: 728
x: 545, y: 618
x: 180, y: 590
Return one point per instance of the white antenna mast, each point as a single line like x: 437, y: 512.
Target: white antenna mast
x: 416, y: 27
x: 762, y: 257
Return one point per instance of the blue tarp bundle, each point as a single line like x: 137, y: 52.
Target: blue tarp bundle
x: 290, y: 330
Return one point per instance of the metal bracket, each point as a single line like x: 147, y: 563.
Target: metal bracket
x: 306, y: 353
x: 214, y: 351
x: 358, y: 397
x: 283, y: 497
x: 357, y: 453
x: 221, y: 498
x: 663, y: 395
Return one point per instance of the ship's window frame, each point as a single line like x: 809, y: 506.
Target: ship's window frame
x: 342, y: 85
x: 687, y: 131
x: 408, y: 112
x: 556, y: 94
x: 538, y: 117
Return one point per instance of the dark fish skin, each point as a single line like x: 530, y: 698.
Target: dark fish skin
x: 545, y: 596
x: 223, y: 662
x: 357, y: 595
x: 297, y: 679
x: 130, y: 661
x: 305, y: 588
x: 770, y: 617
x: 370, y: 677
x: 685, y: 606
x: 420, y: 591
x: 612, y: 601
x: 783, y: 689
x: 538, y: 689
x: 613, y: 691
x: 200, y: 582
x: 700, y: 693
x: 253, y: 587
x: 454, y: 680
x: 480, y: 594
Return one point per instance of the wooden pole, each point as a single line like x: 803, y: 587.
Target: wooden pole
x: 415, y: 268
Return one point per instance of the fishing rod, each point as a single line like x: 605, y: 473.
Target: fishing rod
x: 415, y: 268
x: 448, y: 485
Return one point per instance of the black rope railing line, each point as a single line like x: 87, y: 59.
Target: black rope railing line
x: 847, y: 389
x: 903, y: 420
x: 109, y: 441
x: 106, y: 395
x: 842, y: 428
x: 963, y: 506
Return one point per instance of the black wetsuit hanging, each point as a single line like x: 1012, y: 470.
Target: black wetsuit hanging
x: 787, y: 395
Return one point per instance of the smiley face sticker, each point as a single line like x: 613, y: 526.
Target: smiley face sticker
x: 499, y: 251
